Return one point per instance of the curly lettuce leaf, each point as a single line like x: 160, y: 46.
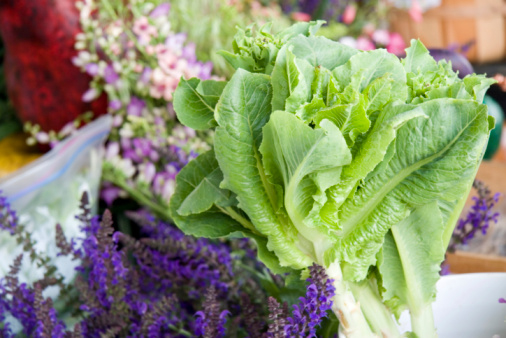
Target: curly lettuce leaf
x: 291, y: 81
x: 241, y: 113
x: 256, y: 51
x: 363, y: 68
x: 437, y: 162
x: 301, y: 166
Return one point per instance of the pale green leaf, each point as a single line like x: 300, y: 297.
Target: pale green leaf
x: 241, y: 113
x: 293, y: 163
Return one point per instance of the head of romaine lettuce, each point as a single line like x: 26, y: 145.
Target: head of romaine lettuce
x: 358, y: 161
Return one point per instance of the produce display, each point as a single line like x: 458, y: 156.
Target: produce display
x: 357, y: 161
x: 239, y: 168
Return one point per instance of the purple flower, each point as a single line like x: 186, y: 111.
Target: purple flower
x: 160, y: 10
x: 309, y: 6
x: 145, y: 75
x: 308, y: 314
x: 176, y: 41
x: 478, y: 218
x: 115, y: 104
x: 205, y: 71
x: 211, y: 321
x: 502, y: 300
x: 110, y: 75
x: 92, y: 69
x: 135, y: 106
x: 189, y: 53
x: 109, y: 193
x: 8, y: 217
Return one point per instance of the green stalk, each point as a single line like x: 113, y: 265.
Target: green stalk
x: 378, y: 316
x: 351, y: 318
x: 138, y: 196
x: 241, y: 220
x: 422, y: 320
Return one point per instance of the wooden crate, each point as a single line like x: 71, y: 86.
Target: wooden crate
x: 458, y: 21
x: 468, y: 262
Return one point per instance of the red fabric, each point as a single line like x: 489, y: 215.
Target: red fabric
x: 43, y: 84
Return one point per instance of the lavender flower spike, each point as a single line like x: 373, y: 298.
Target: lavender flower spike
x: 210, y: 323
x: 478, y: 218
x: 308, y: 314
x: 8, y: 216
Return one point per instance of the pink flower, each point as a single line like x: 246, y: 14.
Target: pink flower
x: 416, y: 11
x: 349, y: 14
x: 364, y: 43
x: 396, y: 45
x: 144, y: 30
x: 162, y: 85
x: 381, y: 37
x: 300, y: 16
x: 138, y: 68
x: 369, y: 29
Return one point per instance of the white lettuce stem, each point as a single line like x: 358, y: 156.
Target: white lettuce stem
x: 422, y: 321
x: 378, y: 316
x: 352, y: 321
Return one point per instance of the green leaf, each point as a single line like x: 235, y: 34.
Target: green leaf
x: 320, y: 51
x: 455, y: 91
x: 477, y: 85
x: 366, y: 67
x: 309, y: 111
x: 410, y: 259
x: 266, y: 256
x: 300, y: 165
x: 242, y: 111
x: 351, y: 119
x: 304, y: 28
x: 194, y: 102
x: 205, y: 177
x: 372, y: 155
x: 195, y: 196
x: 418, y: 59
x: 378, y: 94
x: 239, y: 61
x: 291, y: 82
x: 437, y: 162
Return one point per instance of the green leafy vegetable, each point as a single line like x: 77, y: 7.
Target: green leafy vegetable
x: 355, y: 160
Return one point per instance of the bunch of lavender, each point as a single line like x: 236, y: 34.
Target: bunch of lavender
x: 478, y: 218
x: 306, y: 317
x: 162, y: 284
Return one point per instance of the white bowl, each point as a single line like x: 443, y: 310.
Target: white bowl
x: 467, y: 306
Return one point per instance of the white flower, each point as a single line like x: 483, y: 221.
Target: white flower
x: 348, y: 41
x: 82, y: 59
